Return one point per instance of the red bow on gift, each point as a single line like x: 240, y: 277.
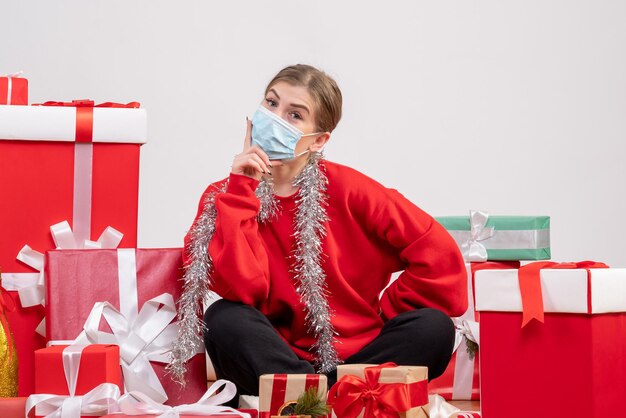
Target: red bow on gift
x: 381, y: 400
x: 84, y: 115
x: 90, y: 103
x: 530, y: 285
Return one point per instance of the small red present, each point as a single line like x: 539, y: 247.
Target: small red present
x: 277, y: 390
x: 76, y: 164
x: 90, y: 374
x: 13, y: 90
x: 12, y: 407
x: 365, y: 390
x: 461, y: 380
x: 126, y: 297
x: 553, y: 332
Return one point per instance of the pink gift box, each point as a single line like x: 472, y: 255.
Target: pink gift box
x: 77, y: 279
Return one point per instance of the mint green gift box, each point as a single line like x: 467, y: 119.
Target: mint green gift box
x: 503, y: 237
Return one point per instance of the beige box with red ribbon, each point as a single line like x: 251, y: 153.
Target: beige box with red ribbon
x: 69, y: 178
x: 553, y: 333
x: 277, y: 391
x: 368, y: 391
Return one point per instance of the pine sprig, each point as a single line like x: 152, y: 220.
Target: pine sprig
x: 472, y: 348
x: 309, y: 403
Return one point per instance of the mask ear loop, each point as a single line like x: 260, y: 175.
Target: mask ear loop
x: 308, y: 150
x: 302, y: 153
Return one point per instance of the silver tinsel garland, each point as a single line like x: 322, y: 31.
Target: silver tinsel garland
x: 309, y: 274
x: 196, y: 286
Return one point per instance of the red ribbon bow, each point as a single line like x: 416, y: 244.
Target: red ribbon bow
x: 84, y: 115
x: 530, y: 285
x: 90, y: 103
x: 350, y: 395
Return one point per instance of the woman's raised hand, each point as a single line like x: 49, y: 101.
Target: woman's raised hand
x: 253, y: 161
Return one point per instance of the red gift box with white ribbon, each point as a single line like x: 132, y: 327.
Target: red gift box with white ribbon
x: 71, y: 169
x: 75, y: 381
x: 461, y: 379
x: 554, y: 333
x: 125, y: 297
x: 13, y: 89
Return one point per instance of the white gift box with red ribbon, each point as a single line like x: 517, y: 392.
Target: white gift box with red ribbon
x: 74, y: 166
x: 556, y: 334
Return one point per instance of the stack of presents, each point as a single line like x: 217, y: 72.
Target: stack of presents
x: 87, y: 319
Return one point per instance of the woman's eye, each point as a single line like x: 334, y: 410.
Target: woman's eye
x: 271, y: 102
x: 296, y: 115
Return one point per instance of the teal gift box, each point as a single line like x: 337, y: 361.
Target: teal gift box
x: 482, y: 237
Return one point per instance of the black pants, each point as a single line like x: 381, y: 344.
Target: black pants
x: 243, y: 345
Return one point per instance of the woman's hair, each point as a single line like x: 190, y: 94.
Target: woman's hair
x: 321, y: 87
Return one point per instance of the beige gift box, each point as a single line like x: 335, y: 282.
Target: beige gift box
x: 275, y: 390
x: 397, y: 374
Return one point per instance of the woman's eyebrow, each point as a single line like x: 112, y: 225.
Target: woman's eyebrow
x: 300, y: 106
x: 276, y: 94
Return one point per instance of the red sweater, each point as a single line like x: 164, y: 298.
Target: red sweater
x: 373, y: 231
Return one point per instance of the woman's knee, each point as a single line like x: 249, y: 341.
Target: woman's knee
x: 221, y: 318
x: 432, y: 324
x: 226, y: 320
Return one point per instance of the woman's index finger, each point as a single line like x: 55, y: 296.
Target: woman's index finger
x: 247, y: 142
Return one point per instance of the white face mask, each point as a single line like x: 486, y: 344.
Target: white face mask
x: 275, y: 136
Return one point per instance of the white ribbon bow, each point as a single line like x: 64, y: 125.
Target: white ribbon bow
x: 465, y: 329
x: 439, y: 408
x: 472, y: 249
x: 30, y: 286
x: 14, y: 75
x: 147, y: 337
x: 100, y: 400
x: 137, y: 403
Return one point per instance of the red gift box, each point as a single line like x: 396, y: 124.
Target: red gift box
x: 48, y: 177
x: 134, y: 283
x: 12, y: 407
x: 461, y: 379
x: 572, y: 364
x: 98, y: 364
x: 13, y: 90
x: 275, y: 390
x: 83, y: 368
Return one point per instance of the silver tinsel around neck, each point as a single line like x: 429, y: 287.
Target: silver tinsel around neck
x: 309, y: 277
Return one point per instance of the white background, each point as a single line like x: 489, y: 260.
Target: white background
x: 515, y: 107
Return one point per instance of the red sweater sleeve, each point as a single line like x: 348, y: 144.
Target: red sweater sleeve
x: 240, y: 262
x: 434, y: 274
